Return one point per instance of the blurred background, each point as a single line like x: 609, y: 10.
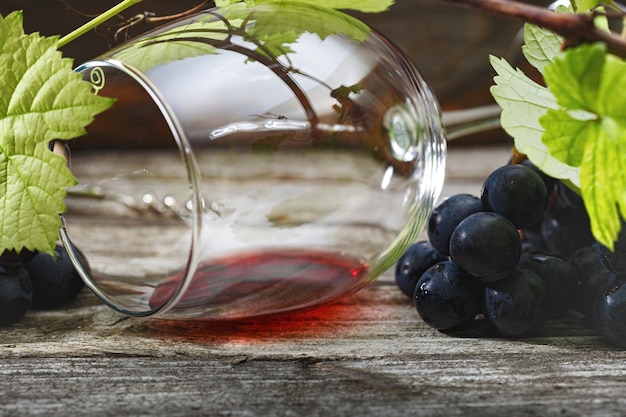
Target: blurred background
x: 449, y: 43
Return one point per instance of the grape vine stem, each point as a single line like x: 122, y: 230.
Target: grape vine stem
x: 120, y: 7
x: 574, y: 28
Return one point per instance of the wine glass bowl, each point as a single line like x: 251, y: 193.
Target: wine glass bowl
x: 257, y: 161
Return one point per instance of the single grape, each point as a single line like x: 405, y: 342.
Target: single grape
x: 446, y: 217
x: 608, y: 313
x: 515, y: 304
x: 560, y: 278
x: 548, y: 181
x: 585, y: 259
x: 413, y: 263
x: 446, y: 297
x: 55, y: 281
x: 16, y: 294
x: 615, y: 259
x: 486, y: 245
x: 565, y: 226
x: 569, y: 197
x: 517, y: 192
x: 591, y: 275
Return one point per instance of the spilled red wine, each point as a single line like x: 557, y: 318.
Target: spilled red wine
x: 264, y: 282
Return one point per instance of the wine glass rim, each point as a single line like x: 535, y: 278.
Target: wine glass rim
x: 193, y: 174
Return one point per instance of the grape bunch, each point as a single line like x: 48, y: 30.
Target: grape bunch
x: 35, y: 281
x: 517, y: 255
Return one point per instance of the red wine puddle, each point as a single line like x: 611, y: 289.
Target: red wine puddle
x: 264, y: 285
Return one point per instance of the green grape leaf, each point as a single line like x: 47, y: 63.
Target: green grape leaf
x: 42, y: 99
x: 366, y: 6
x: 540, y: 46
x: 585, y: 5
x: 276, y: 44
x: 523, y: 102
x: 344, y: 103
x: 175, y: 44
x: 588, y: 130
x: 223, y: 3
x: 301, y: 18
x: 271, y: 32
x: 600, y: 20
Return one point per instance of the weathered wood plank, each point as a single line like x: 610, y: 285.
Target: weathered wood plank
x: 367, y: 355
x: 471, y: 386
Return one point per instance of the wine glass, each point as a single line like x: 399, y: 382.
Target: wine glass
x: 257, y: 161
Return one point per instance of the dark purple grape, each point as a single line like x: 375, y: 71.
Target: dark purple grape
x: 615, y: 259
x: 55, y: 281
x: 585, y: 259
x: 15, y: 258
x: 517, y: 192
x: 548, y: 181
x: 560, y: 278
x: 569, y: 197
x: 591, y: 274
x: 515, y: 304
x: 16, y: 294
x: 608, y: 313
x: 446, y: 297
x: 565, y: 226
x: 413, y: 263
x: 486, y: 245
x: 532, y: 241
x: 446, y: 217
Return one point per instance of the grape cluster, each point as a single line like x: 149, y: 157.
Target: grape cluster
x: 37, y: 281
x: 520, y: 253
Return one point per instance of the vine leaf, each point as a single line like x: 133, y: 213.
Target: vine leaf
x: 276, y: 30
x: 173, y: 44
x: 366, y: 6
x: 540, y: 46
x: 588, y: 130
x: 298, y: 18
x: 523, y: 102
x: 42, y: 99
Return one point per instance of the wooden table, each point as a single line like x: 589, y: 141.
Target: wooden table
x: 367, y: 355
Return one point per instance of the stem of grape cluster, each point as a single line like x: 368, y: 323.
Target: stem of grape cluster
x: 101, y: 18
